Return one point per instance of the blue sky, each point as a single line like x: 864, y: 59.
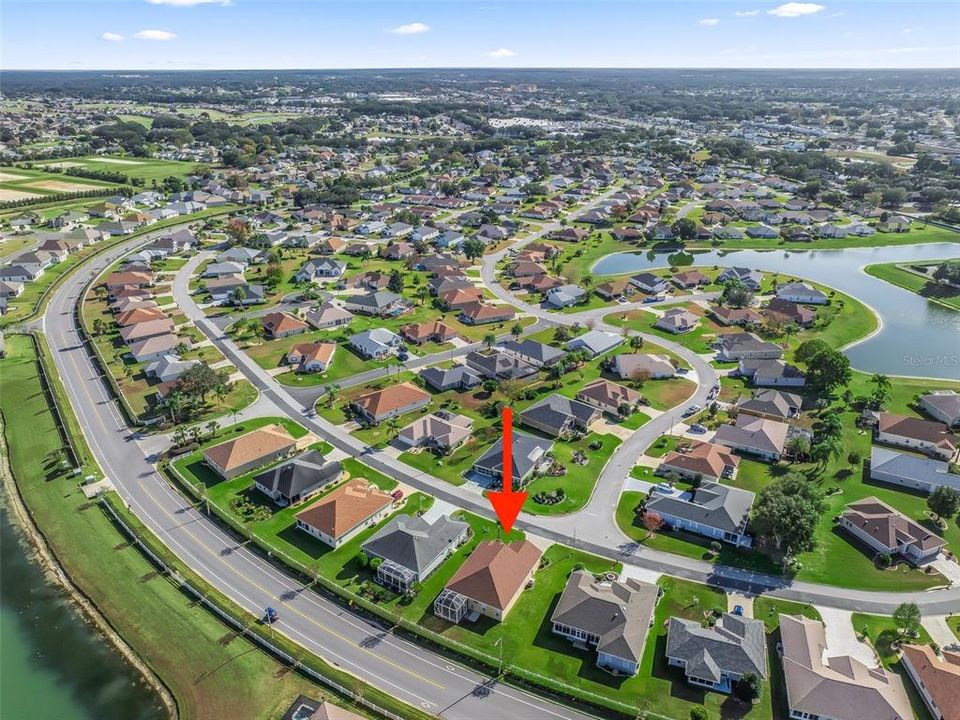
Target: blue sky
x: 231, y: 34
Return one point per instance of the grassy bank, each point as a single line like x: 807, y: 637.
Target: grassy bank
x: 222, y: 675
x: 901, y: 275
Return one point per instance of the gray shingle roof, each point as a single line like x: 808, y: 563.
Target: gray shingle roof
x: 301, y: 474
x: 554, y: 411
x: 413, y: 542
x: 735, y: 645
x: 712, y: 504
x: 527, y: 451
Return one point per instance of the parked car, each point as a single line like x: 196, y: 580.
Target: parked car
x: 697, y: 428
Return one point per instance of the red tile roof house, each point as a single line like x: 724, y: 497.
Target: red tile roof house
x: 118, y: 280
x: 461, y: 298
x: 390, y: 402
x: 344, y: 513
x: 886, y: 531
x: 480, y: 314
x: 281, y: 324
x: 240, y: 455
x: 937, y: 679
x: 926, y: 436
x: 311, y: 357
x: 489, y: 582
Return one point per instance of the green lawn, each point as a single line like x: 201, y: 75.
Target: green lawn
x: 901, y: 275
x: 223, y: 674
x: 147, y: 169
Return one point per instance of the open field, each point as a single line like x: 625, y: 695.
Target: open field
x: 902, y: 275
x: 146, y: 169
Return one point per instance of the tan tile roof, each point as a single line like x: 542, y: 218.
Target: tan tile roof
x: 135, y: 279
x: 839, y: 687
x: 341, y: 510
x: 941, y: 677
x: 609, y: 393
x: 917, y: 429
x: 390, y: 398
x: 322, y: 351
x: 247, y: 448
x: 495, y: 572
x: 281, y: 322
x: 703, y: 457
x: 140, y: 314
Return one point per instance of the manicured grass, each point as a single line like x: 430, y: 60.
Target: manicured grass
x: 919, y: 234
x: 15, y: 243
x: 698, y: 340
x: 222, y: 673
x: 769, y: 609
x: 954, y: 622
x: 133, y: 167
x: 579, y: 480
x: 901, y: 275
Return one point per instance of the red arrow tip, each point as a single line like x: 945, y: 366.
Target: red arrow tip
x: 507, y: 507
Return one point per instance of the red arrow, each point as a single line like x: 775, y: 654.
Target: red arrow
x: 507, y: 503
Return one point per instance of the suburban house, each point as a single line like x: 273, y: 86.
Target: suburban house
x: 737, y: 346
x: 911, y: 471
x: 281, y: 324
x: 532, y: 352
x: 735, y: 316
x: 942, y: 405
x: 298, y: 479
x: 149, y: 328
x: 717, y: 657
x: 320, y: 269
x: 687, y: 279
x: 379, y: 303
x: 612, y: 616
x: 498, y: 365
x: 936, y: 678
x: 221, y: 269
x: 441, y: 431
x: 780, y: 312
x: 888, y: 532
x: 560, y: 416
x: 168, y: 368
x: 751, y: 278
x: 392, y: 401
x: 758, y: 436
x: 926, y: 436
x: 459, y: 377
x: 702, y: 460
x: 614, y: 289
x: 481, y: 314
x: 649, y: 283
x: 565, y: 295
x: 595, y: 342
x: 801, y: 292
x: 430, y: 331
x: 257, y: 448
x: 771, y: 373
x: 610, y: 397
x: 311, y: 357
x: 155, y: 347
x: 376, y: 343
x: 529, y: 454
x: 839, y: 687
x: 635, y: 366
x: 489, y: 582
x: 410, y: 548
x: 775, y: 404
x: 327, y: 315
x: 344, y: 512
x: 677, y: 320
x: 713, y: 510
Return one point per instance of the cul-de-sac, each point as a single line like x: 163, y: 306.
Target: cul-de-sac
x: 260, y: 329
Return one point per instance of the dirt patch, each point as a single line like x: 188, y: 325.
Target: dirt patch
x: 7, y: 195
x: 62, y: 186
x: 8, y: 177
x: 115, y: 161
x: 64, y: 165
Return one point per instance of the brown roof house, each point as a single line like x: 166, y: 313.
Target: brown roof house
x: 926, y: 436
x: 441, y: 431
x: 343, y: 513
x: 311, y: 357
x: 481, y: 314
x: 839, y: 687
x: 758, y: 436
x: 889, y: 532
x: 610, y: 397
x: 489, y: 581
x: 240, y: 455
x: 703, y: 460
x: 433, y: 330
x: 390, y: 402
x: 281, y: 324
x: 937, y: 679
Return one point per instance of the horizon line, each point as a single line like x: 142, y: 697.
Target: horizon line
x: 490, y: 67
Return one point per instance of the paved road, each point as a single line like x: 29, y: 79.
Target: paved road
x: 408, y: 671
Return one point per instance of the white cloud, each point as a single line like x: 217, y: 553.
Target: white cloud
x: 189, y: 3
x: 747, y: 13
x: 501, y: 53
x: 796, y: 9
x: 154, y: 35
x: 414, y: 28
x: 111, y: 37
x: 710, y: 22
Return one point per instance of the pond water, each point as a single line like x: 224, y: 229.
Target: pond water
x: 918, y: 337
x: 52, y: 663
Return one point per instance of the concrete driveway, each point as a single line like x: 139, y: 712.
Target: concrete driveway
x: 842, y: 637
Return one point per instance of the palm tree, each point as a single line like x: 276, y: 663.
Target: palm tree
x: 556, y: 374
x: 829, y: 426
x: 489, y: 340
x: 331, y: 392
x: 234, y: 410
x: 798, y: 446
x: 636, y: 342
x: 826, y: 449
x: 586, y: 281
x: 516, y: 331
x: 212, y: 428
